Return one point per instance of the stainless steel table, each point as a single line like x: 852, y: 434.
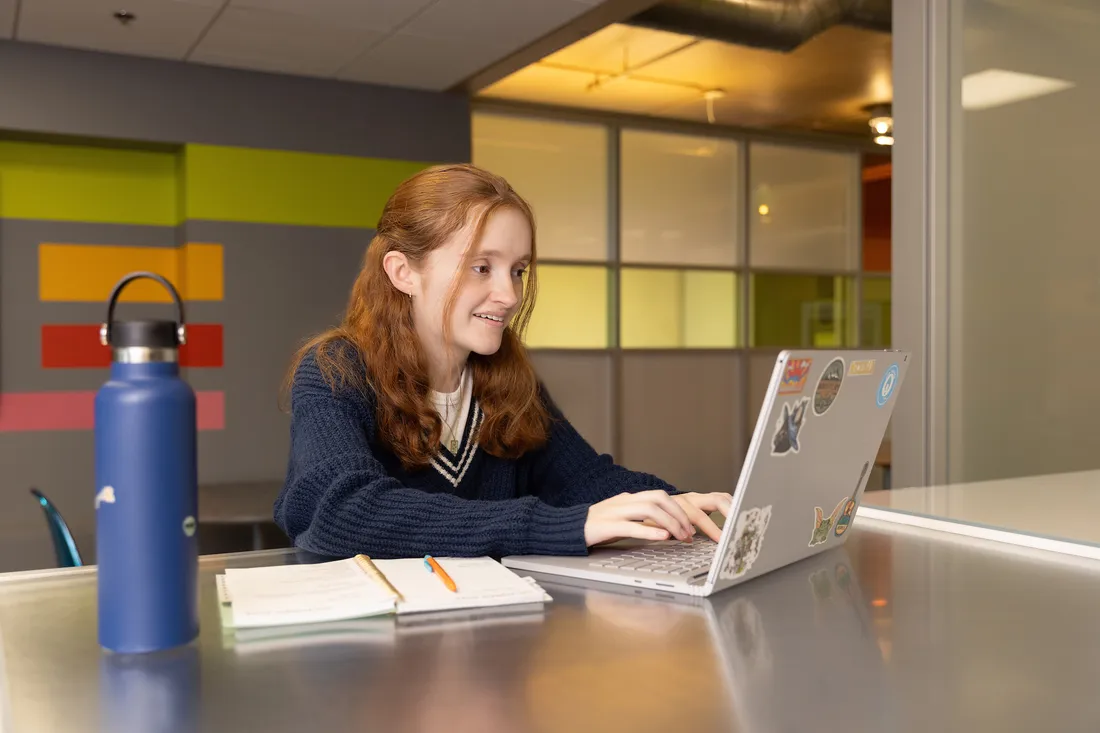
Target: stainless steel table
x: 894, y: 632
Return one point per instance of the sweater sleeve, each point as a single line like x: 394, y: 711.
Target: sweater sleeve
x: 339, y: 500
x: 567, y: 471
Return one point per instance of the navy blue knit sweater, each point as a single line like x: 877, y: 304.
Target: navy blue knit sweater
x: 345, y: 493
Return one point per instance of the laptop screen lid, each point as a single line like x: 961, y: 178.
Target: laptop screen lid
x: 819, y: 431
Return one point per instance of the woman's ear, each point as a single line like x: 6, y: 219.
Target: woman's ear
x: 400, y: 272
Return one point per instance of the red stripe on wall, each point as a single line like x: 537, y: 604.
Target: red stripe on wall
x: 30, y: 411
x: 77, y: 346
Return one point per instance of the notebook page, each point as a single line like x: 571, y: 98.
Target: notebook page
x: 303, y: 594
x: 481, y: 582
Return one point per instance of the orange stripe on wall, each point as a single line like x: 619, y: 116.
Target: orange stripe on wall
x: 36, y: 411
x: 88, y: 272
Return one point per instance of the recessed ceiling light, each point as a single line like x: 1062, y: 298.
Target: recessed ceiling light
x: 124, y: 16
x: 994, y: 87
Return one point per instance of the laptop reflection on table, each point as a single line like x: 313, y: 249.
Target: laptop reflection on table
x: 795, y: 648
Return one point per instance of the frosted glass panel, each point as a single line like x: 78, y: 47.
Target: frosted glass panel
x: 571, y: 309
x: 803, y: 311
x: 561, y: 169
x: 801, y: 208
x: 678, y: 309
x: 679, y: 199
x: 877, y: 313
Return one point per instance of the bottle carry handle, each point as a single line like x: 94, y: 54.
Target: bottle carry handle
x: 105, y: 328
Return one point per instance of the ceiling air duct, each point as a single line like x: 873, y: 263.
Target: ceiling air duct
x: 780, y: 25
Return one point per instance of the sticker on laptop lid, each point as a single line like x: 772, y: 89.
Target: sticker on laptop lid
x: 794, y: 376
x: 823, y: 524
x: 845, y: 518
x: 828, y: 386
x: 849, y: 512
x: 788, y: 427
x: 861, y: 368
x: 887, y: 385
x: 748, y: 539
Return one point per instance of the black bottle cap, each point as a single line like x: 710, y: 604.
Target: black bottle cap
x: 151, y: 334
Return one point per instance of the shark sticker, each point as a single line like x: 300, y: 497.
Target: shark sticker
x: 788, y: 428
x: 828, y: 386
x: 823, y: 524
x: 748, y: 538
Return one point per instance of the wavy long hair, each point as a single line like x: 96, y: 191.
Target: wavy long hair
x: 420, y: 216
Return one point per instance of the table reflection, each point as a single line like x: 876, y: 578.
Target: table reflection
x: 791, y: 650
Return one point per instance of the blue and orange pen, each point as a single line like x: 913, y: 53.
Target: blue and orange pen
x: 434, y: 567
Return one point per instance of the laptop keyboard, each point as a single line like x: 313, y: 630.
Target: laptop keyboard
x: 679, y: 559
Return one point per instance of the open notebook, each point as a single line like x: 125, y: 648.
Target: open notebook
x: 360, y: 587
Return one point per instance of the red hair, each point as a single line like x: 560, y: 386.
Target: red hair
x: 422, y: 214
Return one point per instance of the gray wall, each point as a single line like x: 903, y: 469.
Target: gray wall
x: 44, y: 89
x: 282, y: 283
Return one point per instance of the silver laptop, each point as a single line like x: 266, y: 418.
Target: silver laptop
x: 820, y: 428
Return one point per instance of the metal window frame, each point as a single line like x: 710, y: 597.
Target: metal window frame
x: 924, y: 97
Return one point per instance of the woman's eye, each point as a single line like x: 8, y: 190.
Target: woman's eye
x: 521, y: 272
x: 481, y: 269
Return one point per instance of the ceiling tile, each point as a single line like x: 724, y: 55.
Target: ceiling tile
x: 162, y: 28
x: 267, y: 41
x: 382, y: 15
x: 7, y: 17
x: 422, y: 63
x: 516, y: 21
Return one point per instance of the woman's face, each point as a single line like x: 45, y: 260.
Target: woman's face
x: 490, y: 288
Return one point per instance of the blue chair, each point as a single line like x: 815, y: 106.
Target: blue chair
x: 68, y: 556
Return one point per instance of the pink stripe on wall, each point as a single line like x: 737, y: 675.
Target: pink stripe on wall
x: 211, y: 410
x: 30, y: 411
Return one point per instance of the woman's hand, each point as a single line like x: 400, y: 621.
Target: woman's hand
x: 653, y: 515
x: 698, y: 506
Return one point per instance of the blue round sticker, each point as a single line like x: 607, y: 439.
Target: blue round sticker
x: 886, y: 387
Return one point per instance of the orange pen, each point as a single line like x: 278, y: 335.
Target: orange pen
x: 435, y: 567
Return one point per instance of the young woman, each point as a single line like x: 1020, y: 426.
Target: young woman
x: 418, y: 425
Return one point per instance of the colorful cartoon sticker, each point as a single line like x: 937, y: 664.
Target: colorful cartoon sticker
x: 828, y: 386
x: 886, y: 387
x: 748, y: 538
x: 849, y: 512
x: 861, y: 368
x: 788, y: 427
x: 794, y: 376
x: 823, y: 524
x: 845, y: 516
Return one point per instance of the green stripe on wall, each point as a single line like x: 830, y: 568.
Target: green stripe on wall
x: 280, y: 187
x: 80, y: 183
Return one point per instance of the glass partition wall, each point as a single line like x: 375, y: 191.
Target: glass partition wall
x: 674, y: 265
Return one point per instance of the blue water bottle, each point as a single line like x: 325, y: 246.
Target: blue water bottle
x: 146, y: 497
